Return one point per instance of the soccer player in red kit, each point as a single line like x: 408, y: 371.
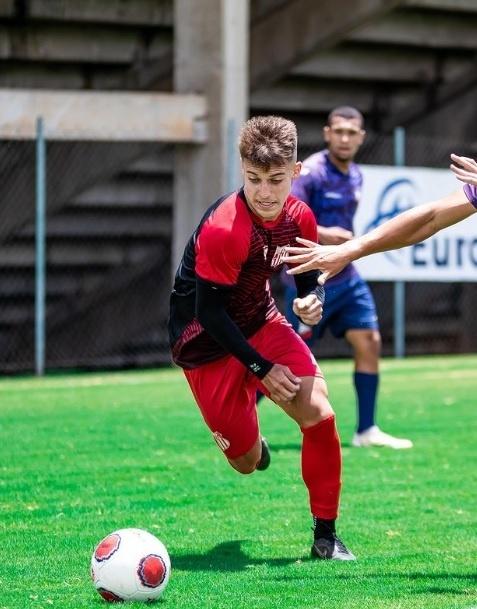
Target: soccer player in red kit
x: 227, y: 334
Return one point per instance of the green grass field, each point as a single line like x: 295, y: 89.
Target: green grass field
x: 84, y: 454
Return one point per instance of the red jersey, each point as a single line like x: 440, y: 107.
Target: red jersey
x: 232, y: 247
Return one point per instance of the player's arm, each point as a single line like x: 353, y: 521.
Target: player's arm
x: 211, y: 303
x: 308, y: 305
x: 334, y: 235
x: 412, y: 226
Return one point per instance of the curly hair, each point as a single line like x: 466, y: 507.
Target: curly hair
x: 268, y: 140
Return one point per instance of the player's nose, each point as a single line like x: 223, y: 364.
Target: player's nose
x: 264, y: 191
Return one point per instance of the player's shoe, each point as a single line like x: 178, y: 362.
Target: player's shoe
x: 331, y: 548
x: 375, y: 437
x: 327, y: 545
x: 265, y: 458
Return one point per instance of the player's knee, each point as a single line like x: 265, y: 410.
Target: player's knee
x: 243, y: 466
x: 247, y: 464
x: 319, y: 413
x: 375, y: 342
x: 312, y: 405
x: 369, y: 344
x: 316, y: 411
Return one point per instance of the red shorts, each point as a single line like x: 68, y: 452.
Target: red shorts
x: 226, y: 391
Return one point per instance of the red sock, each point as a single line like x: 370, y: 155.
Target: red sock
x: 321, y: 467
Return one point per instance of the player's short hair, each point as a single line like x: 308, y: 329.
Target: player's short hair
x: 348, y: 112
x: 268, y: 140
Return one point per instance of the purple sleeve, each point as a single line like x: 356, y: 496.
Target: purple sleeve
x: 471, y: 193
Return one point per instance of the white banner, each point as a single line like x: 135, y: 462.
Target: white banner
x: 450, y: 255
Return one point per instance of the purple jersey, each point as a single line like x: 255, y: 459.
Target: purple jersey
x: 471, y: 193
x: 332, y: 195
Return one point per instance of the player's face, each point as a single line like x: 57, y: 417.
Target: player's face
x: 267, y: 190
x: 344, y: 137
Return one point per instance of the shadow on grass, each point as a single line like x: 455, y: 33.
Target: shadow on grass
x: 411, y: 578
x: 227, y: 556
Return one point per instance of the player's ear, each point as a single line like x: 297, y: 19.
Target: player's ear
x: 362, y: 135
x: 326, y: 134
x: 297, y: 169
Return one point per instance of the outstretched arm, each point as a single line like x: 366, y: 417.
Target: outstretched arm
x: 407, y: 228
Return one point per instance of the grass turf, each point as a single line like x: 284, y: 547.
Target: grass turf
x: 82, y: 455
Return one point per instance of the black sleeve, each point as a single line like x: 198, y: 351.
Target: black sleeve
x: 211, y: 302
x: 306, y: 283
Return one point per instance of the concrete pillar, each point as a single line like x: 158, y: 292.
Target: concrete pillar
x: 211, y: 58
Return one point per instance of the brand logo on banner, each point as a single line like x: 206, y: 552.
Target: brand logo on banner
x: 450, y: 255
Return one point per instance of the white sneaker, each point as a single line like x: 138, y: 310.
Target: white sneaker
x: 375, y: 437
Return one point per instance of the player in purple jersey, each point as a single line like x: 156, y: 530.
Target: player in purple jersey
x: 330, y: 182
x: 407, y: 228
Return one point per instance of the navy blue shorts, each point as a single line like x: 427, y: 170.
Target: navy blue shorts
x: 349, y: 305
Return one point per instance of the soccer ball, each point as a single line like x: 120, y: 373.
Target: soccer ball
x: 130, y: 565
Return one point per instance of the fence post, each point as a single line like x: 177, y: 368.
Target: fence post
x: 232, y: 179
x: 399, y: 286
x: 40, y: 238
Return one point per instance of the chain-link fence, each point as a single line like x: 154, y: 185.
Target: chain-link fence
x: 108, y: 243
x: 108, y: 236
x: 17, y: 255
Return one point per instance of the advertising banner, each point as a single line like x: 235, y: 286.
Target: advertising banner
x: 450, y: 255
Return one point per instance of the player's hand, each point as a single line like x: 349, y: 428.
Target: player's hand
x: 333, y: 235
x: 330, y: 259
x: 282, y: 384
x: 464, y: 168
x: 309, y: 309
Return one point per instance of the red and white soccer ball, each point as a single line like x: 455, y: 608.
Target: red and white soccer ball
x: 130, y: 565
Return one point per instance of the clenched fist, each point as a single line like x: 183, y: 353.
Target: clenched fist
x: 309, y: 309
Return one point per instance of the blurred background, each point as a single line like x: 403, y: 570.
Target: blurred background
x: 119, y: 119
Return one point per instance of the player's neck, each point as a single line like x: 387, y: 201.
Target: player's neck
x: 343, y: 166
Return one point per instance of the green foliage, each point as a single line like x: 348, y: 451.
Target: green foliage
x: 82, y: 455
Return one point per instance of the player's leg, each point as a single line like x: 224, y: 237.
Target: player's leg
x: 321, y: 464
x: 289, y: 294
x: 247, y: 463
x: 257, y: 458
x: 321, y: 453
x: 366, y: 345
x: 358, y: 322
x: 307, y: 333
x: 225, y: 393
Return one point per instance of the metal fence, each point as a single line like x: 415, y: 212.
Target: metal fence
x: 107, y: 258
x: 108, y: 236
